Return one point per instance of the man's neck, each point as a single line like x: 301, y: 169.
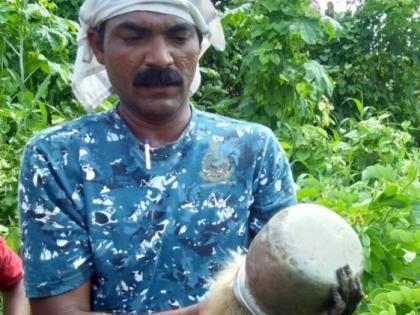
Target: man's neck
x: 157, y: 132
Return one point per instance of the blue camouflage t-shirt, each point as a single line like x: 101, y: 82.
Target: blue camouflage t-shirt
x: 148, y: 239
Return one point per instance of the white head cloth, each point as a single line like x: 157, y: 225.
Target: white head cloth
x: 90, y: 83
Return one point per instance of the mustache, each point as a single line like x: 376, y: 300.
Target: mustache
x: 157, y: 77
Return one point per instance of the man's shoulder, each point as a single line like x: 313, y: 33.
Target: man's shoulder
x: 229, y: 124
x: 73, y: 130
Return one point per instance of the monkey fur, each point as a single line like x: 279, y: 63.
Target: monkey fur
x: 268, y: 280
x: 221, y: 299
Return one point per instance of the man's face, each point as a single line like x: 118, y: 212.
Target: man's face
x: 150, y: 59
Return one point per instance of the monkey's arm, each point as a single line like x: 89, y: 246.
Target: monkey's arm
x: 347, y: 295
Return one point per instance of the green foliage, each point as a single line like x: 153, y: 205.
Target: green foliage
x: 68, y: 9
x: 35, y: 72
x: 268, y: 42
x: 385, y: 300
x: 368, y: 172
x: 376, y: 58
x: 281, y: 83
x: 353, y: 144
x: 222, y: 87
x: 353, y: 156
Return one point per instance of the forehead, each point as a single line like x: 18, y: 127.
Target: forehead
x: 147, y: 19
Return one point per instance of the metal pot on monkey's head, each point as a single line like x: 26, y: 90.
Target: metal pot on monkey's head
x: 291, y: 264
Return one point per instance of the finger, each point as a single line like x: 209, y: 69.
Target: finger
x: 355, y: 289
x: 353, y: 284
x: 343, y: 283
x: 338, y: 305
x: 348, y: 271
x: 344, y: 274
x: 359, y: 287
x: 349, y: 290
x: 355, y: 294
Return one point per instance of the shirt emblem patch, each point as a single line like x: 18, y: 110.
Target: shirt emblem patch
x: 215, y: 166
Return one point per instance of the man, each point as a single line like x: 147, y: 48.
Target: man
x: 329, y: 11
x: 11, y: 283
x: 130, y: 211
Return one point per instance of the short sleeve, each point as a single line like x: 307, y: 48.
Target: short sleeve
x: 273, y: 185
x: 55, y: 244
x: 10, y: 266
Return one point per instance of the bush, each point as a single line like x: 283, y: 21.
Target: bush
x: 35, y: 70
x: 357, y: 156
x: 375, y: 58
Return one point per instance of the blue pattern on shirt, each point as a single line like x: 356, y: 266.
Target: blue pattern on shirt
x: 148, y: 239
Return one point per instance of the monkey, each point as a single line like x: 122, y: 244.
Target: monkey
x: 221, y: 299
x: 341, y: 298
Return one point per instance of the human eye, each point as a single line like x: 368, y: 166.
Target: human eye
x: 132, y: 39
x: 181, y: 37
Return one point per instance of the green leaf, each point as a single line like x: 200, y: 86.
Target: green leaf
x: 365, y: 240
x: 5, y: 9
x: 395, y: 297
x: 26, y: 98
x: 378, y: 172
x: 378, y: 251
x: 309, y: 30
x: 416, y: 210
x: 360, y: 107
x: 16, y: 78
x: 270, y: 5
x: 408, y: 297
x: 398, y: 201
x: 416, y: 295
x: 275, y: 59
x: 375, y: 308
x: 13, y: 239
x: 316, y: 73
x: 307, y: 193
x: 281, y: 27
x: 391, y: 309
x: 4, y: 126
x: 42, y: 89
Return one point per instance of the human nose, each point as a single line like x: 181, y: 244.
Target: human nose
x: 159, y: 54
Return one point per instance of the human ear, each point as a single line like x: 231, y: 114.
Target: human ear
x: 96, y: 41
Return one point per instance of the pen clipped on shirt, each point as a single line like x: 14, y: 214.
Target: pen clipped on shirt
x: 147, y: 154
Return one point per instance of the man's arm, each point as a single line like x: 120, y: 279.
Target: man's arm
x: 11, y: 283
x: 15, y: 302
x: 273, y: 184
x: 77, y: 302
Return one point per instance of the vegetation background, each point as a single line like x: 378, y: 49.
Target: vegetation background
x: 340, y: 91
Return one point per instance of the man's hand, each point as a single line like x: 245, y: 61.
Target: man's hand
x: 196, y: 309
x: 77, y: 302
x: 15, y: 302
x: 347, y: 295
